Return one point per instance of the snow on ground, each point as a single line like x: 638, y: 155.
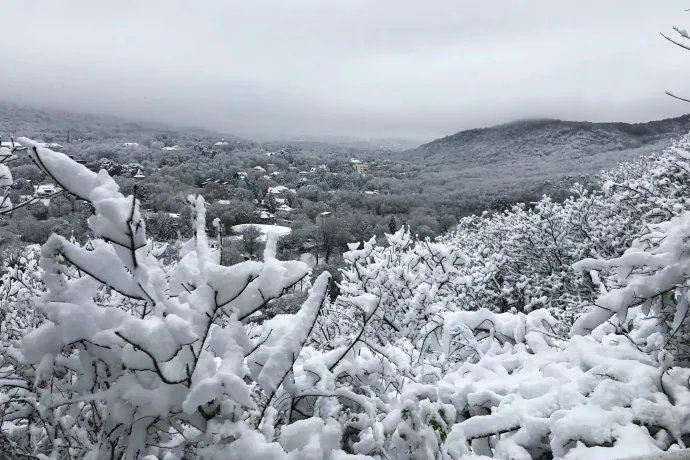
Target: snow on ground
x: 264, y: 229
x: 308, y: 259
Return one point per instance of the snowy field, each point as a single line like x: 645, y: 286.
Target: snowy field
x: 264, y: 229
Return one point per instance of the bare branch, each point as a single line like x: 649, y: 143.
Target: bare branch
x: 676, y: 43
x: 677, y: 97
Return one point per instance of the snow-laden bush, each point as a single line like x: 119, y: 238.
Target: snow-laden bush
x: 597, y: 396
x: 498, y: 298
x: 521, y: 258
x: 654, y: 272
x: 404, y: 285
x: 450, y: 350
x: 162, y: 364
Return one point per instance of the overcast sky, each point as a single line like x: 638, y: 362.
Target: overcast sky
x: 404, y: 68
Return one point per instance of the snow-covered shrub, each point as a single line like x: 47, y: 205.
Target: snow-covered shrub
x: 450, y: 350
x: 521, y: 259
x: 591, y: 397
x: 654, y: 272
x: 136, y: 361
x: 398, y: 289
x: 493, y: 304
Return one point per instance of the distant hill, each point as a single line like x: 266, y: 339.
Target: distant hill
x: 522, y: 155
x: 53, y: 125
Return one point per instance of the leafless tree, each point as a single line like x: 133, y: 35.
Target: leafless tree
x: 681, y: 43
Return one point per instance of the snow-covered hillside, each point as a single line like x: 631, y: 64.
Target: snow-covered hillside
x: 507, y: 159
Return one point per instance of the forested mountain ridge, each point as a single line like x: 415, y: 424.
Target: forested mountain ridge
x: 548, y: 138
x: 522, y: 160
x: 52, y: 125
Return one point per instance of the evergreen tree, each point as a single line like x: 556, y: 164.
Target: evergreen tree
x: 392, y: 225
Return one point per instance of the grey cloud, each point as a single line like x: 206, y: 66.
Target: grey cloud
x: 358, y: 67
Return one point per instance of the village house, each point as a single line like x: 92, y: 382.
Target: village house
x: 278, y: 190
x: 266, y: 217
x: 45, y: 190
x: 283, y: 211
x: 358, y: 166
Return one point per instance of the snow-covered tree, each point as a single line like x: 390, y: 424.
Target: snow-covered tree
x: 682, y: 42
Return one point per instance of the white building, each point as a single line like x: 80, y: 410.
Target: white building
x: 45, y: 190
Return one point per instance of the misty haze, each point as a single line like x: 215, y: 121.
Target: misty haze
x: 362, y: 230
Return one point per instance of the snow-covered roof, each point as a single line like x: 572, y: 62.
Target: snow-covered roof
x: 278, y: 189
x: 174, y: 215
x: 275, y: 173
x: 284, y: 208
x: 50, y: 145
x: 221, y: 142
x: 223, y: 201
x: 174, y: 147
x: 242, y: 174
x: 325, y: 213
x: 45, y: 189
x: 259, y: 168
x: 131, y: 144
x: 265, y: 215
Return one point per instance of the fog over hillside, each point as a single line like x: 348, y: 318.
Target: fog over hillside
x: 516, y: 157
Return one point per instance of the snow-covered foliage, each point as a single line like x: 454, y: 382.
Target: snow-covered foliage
x: 500, y: 296
x: 132, y: 358
x: 555, y: 331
